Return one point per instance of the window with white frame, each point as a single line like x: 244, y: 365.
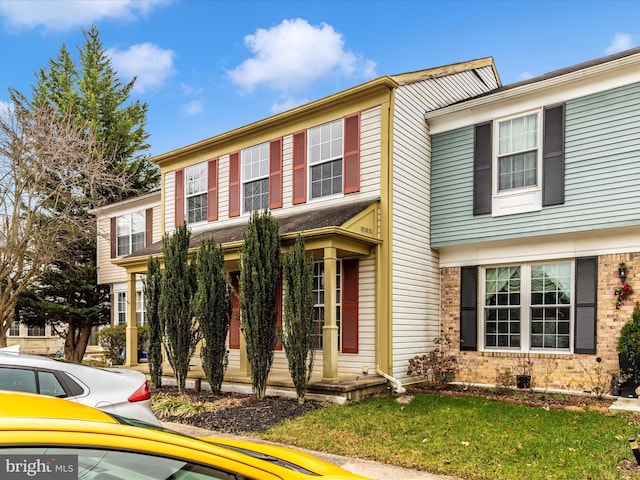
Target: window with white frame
x: 140, y: 313
x: 518, y: 152
x: 130, y: 231
x: 196, y: 192
x: 36, y: 331
x: 318, y: 300
x: 255, y: 177
x: 517, y: 165
x: 528, y: 307
x: 121, y: 308
x: 325, y: 159
x: 14, y: 330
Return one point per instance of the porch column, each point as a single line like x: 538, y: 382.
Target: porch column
x: 131, y: 357
x: 330, y: 328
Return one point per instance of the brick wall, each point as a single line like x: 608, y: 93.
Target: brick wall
x: 554, y: 371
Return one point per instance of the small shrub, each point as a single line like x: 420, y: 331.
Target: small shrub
x: 599, y: 380
x: 114, y: 339
x: 438, y: 367
x: 505, y: 380
x: 167, y: 406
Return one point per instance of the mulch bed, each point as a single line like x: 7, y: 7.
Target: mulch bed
x: 239, y: 413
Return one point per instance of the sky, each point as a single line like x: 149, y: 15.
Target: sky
x: 205, y: 67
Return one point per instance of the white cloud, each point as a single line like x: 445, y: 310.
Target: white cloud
x: 191, y: 108
x: 151, y: 64
x: 620, y: 42
x: 66, y: 14
x: 294, y: 54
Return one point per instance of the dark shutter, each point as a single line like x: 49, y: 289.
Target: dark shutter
x: 482, y: 169
x: 212, y: 190
x: 113, y: 237
x: 469, y: 308
x: 352, y: 153
x: 553, y: 156
x: 234, y: 184
x: 299, y: 167
x: 586, y: 304
x: 234, y: 327
x: 179, y: 200
x: 275, y: 174
x: 148, y: 227
x: 350, y: 306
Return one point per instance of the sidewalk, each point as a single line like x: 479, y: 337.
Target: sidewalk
x: 366, y: 468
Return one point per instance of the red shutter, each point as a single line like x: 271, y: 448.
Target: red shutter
x: 179, y: 201
x: 275, y: 173
x: 278, y: 345
x: 113, y: 237
x: 350, y: 306
x: 234, y: 184
x: 148, y: 227
x: 300, y: 167
x: 352, y: 153
x: 212, y: 190
x: 234, y: 327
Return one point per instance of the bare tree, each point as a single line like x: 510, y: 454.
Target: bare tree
x: 50, y: 168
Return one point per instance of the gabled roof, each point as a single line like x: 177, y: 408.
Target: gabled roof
x: 556, y: 77
x: 443, y: 71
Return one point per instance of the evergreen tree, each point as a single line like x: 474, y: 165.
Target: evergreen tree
x: 93, y: 95
x: 180, y: 331
x: 151, y: 303
x: 259, y: 280
x: 297, y: 331
x: 213, y: 312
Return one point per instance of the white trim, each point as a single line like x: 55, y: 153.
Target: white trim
x: 532, y: 249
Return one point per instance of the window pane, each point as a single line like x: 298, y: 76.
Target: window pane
x: 256, y: 195
x: 551, y: 289
x: 17, y: 380
x: 197, y: 208
x: 49, y: 385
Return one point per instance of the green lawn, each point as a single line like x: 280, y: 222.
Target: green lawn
x: 470, y: 437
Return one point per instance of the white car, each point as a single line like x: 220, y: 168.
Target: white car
x: 115, y: 390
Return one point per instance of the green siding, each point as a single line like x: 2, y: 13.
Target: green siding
x: 602, y: 176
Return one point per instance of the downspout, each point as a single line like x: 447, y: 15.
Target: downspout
x: 398, y: 385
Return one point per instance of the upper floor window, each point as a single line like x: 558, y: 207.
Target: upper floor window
x: 518, y: 152
x: 130, y: 231
x: 528, y: 307
x: 255, y: 177
x: 325, y: 159
x: 196, y: 192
